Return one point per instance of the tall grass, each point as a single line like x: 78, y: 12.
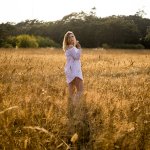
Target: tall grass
x: 34, y: 99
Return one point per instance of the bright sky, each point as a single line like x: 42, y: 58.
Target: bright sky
x: 52, y: 10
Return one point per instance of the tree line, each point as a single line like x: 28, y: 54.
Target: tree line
x: 131, y: 31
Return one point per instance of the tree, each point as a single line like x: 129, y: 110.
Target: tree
x: 26, y: 41
x: 147, y: 38
x: 90, y: 30
x: 46, y: 42
x: 141, y: 13
x: 6, y: 30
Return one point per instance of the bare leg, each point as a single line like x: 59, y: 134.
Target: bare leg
x: 71, y: 88
x: 79, y: 86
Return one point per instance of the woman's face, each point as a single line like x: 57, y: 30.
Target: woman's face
x: 72, y: 39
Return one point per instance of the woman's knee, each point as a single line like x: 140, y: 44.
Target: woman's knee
x: 71, y: 88
x: 79, y: 84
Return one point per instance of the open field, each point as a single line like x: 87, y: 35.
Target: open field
x: 34, y: 103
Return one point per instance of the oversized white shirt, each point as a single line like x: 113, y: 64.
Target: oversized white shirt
x: 73, y: 64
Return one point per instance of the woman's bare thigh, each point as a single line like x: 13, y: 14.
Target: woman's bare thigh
x: 79, y: 84
x: 71, y: 87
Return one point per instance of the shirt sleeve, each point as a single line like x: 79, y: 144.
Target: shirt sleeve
x: 74, y: 52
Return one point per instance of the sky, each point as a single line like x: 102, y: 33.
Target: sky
x: 52, y: 10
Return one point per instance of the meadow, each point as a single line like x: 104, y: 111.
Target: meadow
x: 34, y: 100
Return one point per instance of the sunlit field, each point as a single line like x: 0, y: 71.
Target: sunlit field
x: 34, y: 101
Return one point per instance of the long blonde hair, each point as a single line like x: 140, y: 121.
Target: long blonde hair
x: 66, y: 40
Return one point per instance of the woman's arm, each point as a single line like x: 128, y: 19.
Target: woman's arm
x: 74, y: 52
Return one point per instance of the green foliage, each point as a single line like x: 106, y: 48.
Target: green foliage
x: 106, y: 46
x: 11, y: 40
x: 6, y: 30
x: 147, y: 37
x: 54, y: 44
x: 123, y: 46
x: 129, y: 46
x: 7, y: 45
x: 140, y: 13
x: 46, y: 42
x: 90, y: 30
x: 26, y: 41
x: 43, y: 42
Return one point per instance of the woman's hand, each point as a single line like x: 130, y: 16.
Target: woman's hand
x: 78, y: 44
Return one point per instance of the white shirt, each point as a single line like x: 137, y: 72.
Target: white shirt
x: 73, y: 64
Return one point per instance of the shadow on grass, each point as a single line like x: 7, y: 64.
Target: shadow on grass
x: 78, y: 125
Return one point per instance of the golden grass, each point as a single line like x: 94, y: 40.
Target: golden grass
x: 33, y: 99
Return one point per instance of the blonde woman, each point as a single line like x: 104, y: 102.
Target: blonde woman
x: 73, y: 71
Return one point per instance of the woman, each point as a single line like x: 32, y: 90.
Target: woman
x: 73, y: 70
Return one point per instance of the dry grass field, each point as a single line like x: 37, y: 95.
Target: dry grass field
x: 34, y: 101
